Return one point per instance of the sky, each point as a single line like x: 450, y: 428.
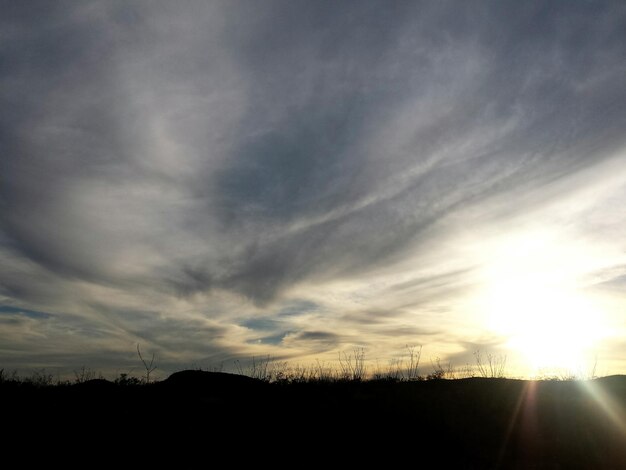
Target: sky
x: 220, y: 180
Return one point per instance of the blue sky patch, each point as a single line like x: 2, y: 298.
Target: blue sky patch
x: 10, y: 310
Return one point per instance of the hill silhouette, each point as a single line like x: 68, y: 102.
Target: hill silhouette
x: 213, y: 381
x: 464, y: 423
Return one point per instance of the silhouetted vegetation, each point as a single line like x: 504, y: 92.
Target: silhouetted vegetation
x: 484, y: 421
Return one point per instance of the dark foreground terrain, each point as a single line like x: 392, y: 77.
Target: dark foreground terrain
x: 466, y: 423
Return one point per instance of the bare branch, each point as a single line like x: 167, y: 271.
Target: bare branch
x: 149, y: 367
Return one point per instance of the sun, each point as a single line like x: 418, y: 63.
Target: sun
x: 551, y: 326
x: 532, y: 296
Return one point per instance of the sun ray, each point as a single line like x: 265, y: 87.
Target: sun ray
x: 611, y: 408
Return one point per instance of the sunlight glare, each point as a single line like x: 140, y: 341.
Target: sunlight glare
x: 534, y: 299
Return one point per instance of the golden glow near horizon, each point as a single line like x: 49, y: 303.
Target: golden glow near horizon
x: 534, y: 298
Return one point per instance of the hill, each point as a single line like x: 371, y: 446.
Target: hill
x: 468, y: 423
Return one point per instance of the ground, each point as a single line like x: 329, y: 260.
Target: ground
x: 468, y: 423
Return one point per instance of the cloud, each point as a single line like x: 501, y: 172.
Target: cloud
x: 214, y: 164
x: 313, y: 340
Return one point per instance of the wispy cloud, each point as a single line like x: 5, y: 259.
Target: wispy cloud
x: 227, y: 178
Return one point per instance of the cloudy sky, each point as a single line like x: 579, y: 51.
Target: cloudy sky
x: 218, y: 180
